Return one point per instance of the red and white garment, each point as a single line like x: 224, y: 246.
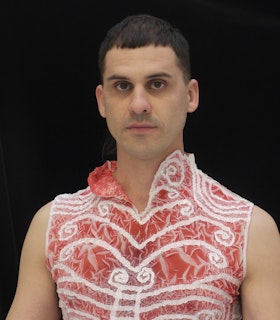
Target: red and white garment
x: 183, y: 257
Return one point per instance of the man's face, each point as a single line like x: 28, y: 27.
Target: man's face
x: 145, y: 100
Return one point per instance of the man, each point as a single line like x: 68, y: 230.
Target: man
x: 151, y: 237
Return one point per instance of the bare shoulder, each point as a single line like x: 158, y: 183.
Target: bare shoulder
x: 263, y: 250
x: 260, y: 215
x: 36, y: 233
x: 263, y: 232
x: 263, y: 226
x: 41, y: 217
x: 262, y: 269
x: 33, y: 250
x: 34, y: 241
x: 35, y: 296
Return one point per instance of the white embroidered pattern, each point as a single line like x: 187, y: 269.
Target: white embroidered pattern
x: 183, y: 257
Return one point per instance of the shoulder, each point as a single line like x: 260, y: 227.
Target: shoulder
x: 262, y: 226
x: 41, y: 217
x: 262, y: 223
x: 262, y: 276
x: 39, y: 224
x: 263, y: 240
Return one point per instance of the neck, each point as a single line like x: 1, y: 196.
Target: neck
x: 136, y: 176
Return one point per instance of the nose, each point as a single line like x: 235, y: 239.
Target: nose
x: 139, y: 103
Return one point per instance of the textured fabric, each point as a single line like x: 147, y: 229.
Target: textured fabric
x: 183, y: 257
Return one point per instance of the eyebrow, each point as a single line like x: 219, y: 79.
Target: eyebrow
x: 151, y: 76
x: 116, y: 77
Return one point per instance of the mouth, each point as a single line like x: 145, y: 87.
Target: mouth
x: 140, y: 128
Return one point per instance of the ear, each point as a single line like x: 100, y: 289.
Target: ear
x: 193, y: 95
x: 100, y: 100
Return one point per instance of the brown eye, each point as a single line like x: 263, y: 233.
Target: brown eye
x: 157, y: 85
x: 122, y: 86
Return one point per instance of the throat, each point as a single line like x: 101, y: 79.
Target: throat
x: 139, y: 200
x: 136, y: 178
x: 137, y: 189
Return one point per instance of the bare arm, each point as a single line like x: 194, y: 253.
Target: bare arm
x: 35, y: 296
x: 260, y: 291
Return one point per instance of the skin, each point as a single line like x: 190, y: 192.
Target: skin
x: 145, y: 100
x: 35, y: 296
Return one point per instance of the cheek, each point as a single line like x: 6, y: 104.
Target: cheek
x: 178, y: 115
x: 113, y: 121
x: 177, y: 121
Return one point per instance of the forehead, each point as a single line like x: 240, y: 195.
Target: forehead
x: 143, y: 59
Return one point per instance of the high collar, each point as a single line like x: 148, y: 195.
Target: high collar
x: 170, y: 171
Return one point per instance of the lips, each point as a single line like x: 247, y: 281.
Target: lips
x: 140, y: 127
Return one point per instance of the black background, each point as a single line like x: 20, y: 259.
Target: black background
x: 51, y: 134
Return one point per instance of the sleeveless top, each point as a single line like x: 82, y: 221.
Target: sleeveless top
x: 183, y: 257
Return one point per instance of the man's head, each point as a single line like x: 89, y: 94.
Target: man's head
x: 146, y: 88
x: 144, y: 30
